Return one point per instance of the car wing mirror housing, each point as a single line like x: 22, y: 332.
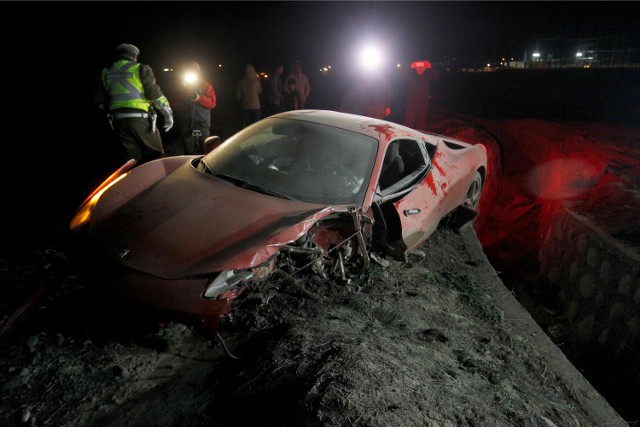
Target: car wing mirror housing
x: 211, y: 143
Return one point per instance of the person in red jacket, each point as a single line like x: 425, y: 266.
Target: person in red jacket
x: 193, y: 111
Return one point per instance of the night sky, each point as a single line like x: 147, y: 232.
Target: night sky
x: 320, y: 33
x: 66, y: 44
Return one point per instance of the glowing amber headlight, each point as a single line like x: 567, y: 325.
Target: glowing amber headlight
x: 84, y: 212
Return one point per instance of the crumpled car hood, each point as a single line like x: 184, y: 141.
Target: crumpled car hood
x: 189, y: 223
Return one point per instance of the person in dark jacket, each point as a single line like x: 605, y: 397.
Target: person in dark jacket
x: 275, y: 96
x: 193, y: 110
x: 129, y: 96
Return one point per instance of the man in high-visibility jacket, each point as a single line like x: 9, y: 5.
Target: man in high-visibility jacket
x: 130, y: 95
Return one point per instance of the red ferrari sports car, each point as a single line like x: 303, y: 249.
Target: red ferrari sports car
x: 299, y: 193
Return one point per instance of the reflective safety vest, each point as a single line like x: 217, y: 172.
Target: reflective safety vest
x: 124, y: 86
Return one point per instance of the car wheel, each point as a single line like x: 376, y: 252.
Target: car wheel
x: 472, y: 199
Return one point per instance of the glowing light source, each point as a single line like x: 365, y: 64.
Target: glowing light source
x: 370, y: 57
x: 84, y: 212
x: 536, y: 54
x: 579, y: 54
x: 420, y: 66
x: 190, y: 77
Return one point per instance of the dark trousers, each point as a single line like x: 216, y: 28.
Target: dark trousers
x: 139, y: 143
x: 192, y: 144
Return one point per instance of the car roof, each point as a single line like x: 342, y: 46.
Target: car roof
x: 328, y: 117
x: 382, y: 130
x: 352, y: 122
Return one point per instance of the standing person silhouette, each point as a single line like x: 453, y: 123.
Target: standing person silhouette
x: 301, y: 84
x: 419, y: 94
x: 193, y: 110
x: 248, y: 93
x: 275, y: 99
x: 129, y: 95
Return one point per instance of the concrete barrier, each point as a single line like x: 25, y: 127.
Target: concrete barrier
x: 598, y: 279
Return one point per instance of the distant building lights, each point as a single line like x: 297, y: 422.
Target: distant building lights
x: 536, y: 55
x: 579, y: 54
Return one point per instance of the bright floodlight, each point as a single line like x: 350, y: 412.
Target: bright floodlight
x: 370, y: 57
x: 579, y: 54
x: 190, y: 77
x: 536, y: 55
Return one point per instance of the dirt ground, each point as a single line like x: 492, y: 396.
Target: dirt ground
x: 435, y: 342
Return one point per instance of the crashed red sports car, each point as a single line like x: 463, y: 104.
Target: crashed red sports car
x: 299, y: 193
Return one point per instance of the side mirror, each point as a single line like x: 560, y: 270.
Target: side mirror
x: 211, y: 143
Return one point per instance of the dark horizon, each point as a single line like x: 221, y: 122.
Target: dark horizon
x: 329, y: 32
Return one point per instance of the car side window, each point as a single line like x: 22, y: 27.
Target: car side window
x: 403, y: 161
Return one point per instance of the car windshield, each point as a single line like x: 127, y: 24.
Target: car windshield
x: 298, y: 160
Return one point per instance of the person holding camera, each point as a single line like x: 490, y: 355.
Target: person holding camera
x: 193, y: 111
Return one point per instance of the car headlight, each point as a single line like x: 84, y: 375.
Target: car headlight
x: 83, y: 215
x: 224, y: 281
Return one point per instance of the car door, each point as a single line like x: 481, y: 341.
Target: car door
x: 418, y: 193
